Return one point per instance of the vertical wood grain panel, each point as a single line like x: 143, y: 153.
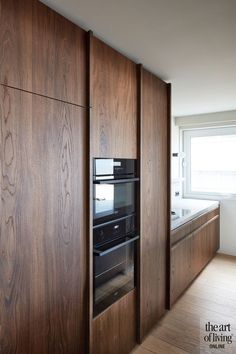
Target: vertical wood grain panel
x: 90, y: 192
x: 198, y: 249
x: 215, y: 236
x: 15, y: 260
x: 168, y: 204
x: 43, y: 225
x: 154, y: 200
x: 41, y: 51
x: 114, y: 100
x: 190, y: 255
x: 16, y: 43
x: 114, y: 330
x: 59, y: 56
x: 180, y: 267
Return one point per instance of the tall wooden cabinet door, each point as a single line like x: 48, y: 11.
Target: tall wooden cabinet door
x: 43, y: 225
x: 16, y: 43
x: 154, y: 199
x: 114, y: 102
x: 41, y: 51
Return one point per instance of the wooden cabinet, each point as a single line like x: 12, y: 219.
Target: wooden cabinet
x: 43, y: 225
x: 180, y: 267
x: 199, y: 253
x: 45, y: 284
x: 113, y: 134
x: 154, y: 196
x: 190, y: 255
x: 114, y: 331
x: 114, y: 102
x: 41, y: 51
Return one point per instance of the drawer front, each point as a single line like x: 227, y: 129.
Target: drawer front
x: 191, y: 254
x: 202, y: 219
x: 180, y: 232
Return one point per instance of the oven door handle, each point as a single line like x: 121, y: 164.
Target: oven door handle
x: 100, y: 253
x: 115, y: 181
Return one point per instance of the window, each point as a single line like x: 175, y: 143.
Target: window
x: 209, y: 167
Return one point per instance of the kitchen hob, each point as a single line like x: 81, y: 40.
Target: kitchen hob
x: 179, y: 213
x: 184, y: 210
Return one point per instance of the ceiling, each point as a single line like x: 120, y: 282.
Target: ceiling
x: 190, y: 43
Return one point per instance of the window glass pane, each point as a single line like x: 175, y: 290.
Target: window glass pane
x: 213, y: 164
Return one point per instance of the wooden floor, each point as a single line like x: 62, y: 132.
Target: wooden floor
x: 211, y: 297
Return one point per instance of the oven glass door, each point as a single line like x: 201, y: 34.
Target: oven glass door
x: 113, y: 273
x: 113, y: 200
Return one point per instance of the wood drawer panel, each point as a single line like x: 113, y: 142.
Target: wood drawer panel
x: 180, y: 232
x: 191, y: 226
x: 114, y: 330
x: 202, y: 219
x: 190, y: 255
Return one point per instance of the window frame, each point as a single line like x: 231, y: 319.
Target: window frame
x: 185, y: 142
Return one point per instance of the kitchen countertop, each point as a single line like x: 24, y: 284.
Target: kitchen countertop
x: 188, y: 209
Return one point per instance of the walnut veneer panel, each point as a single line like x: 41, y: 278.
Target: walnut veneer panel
x: 114, y: 331
x: 154, y: 199
x: 43, y: 281
x: 41, y: 51
x: 114, y: 101
x: 192, y: 253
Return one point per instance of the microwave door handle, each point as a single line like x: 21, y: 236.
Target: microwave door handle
x: 115, y: 181
x: 101, y: 253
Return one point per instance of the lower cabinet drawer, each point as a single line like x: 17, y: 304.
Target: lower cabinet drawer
x: 203, y: 219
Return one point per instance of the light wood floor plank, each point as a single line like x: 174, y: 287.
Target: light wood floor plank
x: 211, y: 297
x: 141, y: 350
x: 158, y: 346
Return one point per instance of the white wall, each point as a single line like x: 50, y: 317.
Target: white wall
x: 207, y: 120
x: 174, y: 148
x: 228, y: 226
x: 227, y: 206
x: 175, y: 171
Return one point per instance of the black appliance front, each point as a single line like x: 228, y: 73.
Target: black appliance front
x: 114, y: 168
x: 114, y: 189
x: 115, y: 232
x: 114, y: 229
x: 114, y: 261
x: 113, y: 200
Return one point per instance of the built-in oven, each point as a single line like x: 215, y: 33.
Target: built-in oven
x: 114, y: 261
x: 115, y: 231
x: 114, y: 189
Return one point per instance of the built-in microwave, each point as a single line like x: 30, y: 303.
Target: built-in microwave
x: 114, y: 189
